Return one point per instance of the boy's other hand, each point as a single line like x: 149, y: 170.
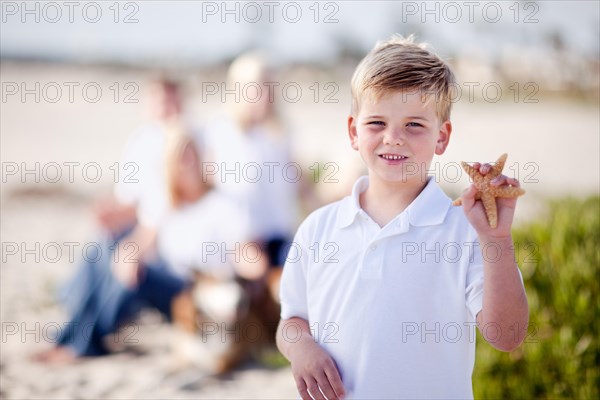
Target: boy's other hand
x: 315, y: 372
x: 476, y: 213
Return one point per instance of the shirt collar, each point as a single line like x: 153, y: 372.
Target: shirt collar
x: 429, y: 208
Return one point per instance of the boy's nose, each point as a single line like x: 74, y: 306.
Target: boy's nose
x: 394, y: 137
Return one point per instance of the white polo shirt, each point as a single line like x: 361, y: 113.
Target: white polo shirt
x: 395, y: 306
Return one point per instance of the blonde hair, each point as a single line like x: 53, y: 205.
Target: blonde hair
x: 178, y: 142
x: 400, y: 64
x: 252, y: 68
x: 249, y: 68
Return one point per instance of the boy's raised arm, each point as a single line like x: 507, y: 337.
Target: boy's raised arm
x: 505, y: 305
x: 314, y: 370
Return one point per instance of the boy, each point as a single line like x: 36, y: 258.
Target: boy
x: 382, y: 290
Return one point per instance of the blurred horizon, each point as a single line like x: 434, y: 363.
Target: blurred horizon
x: 487, y: 41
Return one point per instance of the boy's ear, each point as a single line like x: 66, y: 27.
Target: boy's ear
x: 352, y: 132
x: 443, y: 138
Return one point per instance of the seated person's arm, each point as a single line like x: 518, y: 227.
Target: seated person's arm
x: 114, y: 215
x: 132, y: 249
x: 312, y: 367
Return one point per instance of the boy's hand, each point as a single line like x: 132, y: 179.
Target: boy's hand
x: 476, y: 214
x: 314, y: 369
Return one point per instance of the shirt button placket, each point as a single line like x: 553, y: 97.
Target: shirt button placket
x: 372, y: 260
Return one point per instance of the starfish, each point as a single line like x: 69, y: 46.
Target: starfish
x: 486, y: 192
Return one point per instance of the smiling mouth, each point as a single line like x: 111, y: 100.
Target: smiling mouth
x: 391, y: 157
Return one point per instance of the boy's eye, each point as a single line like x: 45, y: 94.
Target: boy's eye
x: 414, y: 124
x: 376, y: 123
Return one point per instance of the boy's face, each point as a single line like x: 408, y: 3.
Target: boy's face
x: 397, y: 136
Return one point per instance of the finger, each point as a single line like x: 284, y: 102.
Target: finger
x: 485, y: 168
x: 505, y: 180
x: 477, y: 165
x: 313, y: 389
x: 302, y: 389
x: 499, y: 180
x: 513, y: 182
x: 468, y: 198
x: 325, y: 386
x: 335, y: 380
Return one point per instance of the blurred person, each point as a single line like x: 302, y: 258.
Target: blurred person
x: 249, y: 153
x: 143, y: 163
x: 130, y: 214
x: 111, y: 291
x: 249, y: 156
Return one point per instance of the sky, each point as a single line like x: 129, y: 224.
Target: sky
x: 209, y: 32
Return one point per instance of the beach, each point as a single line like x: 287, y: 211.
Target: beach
x: 52, y: 151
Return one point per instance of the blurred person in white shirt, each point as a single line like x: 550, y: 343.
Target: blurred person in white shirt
x: 249, y: 158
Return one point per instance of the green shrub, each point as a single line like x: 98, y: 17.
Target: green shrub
x: 559, y: 257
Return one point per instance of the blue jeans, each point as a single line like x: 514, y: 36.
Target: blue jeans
x: 98, y: 304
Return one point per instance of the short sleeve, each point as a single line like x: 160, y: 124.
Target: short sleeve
x: 474, y: 281
x: 293, y: 288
